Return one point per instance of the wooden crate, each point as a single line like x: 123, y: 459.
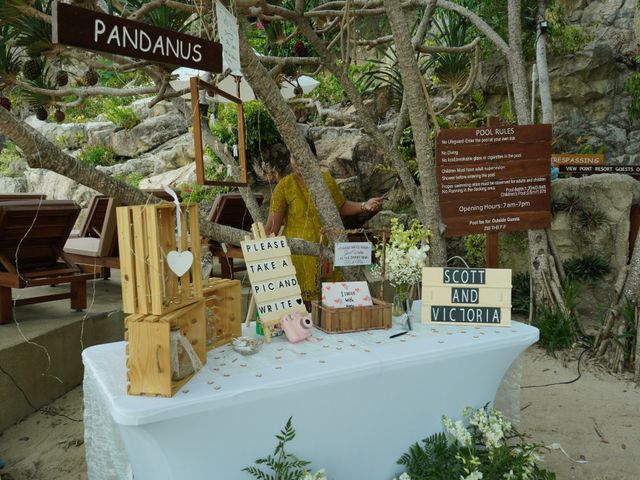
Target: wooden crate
x: 146, y: 234
x: 223, y: 311
x: 355, y: 319
x: 149, y: 348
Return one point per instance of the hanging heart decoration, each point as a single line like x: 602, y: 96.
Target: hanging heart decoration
x: 179, y: 262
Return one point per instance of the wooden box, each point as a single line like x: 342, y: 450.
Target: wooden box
x: 149, y: 348
x: 146, y: 234
x: 223, y: 311
x: 356, y: 319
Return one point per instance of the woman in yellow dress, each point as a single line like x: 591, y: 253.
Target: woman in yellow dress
x: 291, y: 203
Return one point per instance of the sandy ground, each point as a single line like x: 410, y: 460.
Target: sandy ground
x: 596, y: 420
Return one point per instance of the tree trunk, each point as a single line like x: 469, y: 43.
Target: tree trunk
x: 543, y: 70
x: 419, y: 117
x: 267, y: 90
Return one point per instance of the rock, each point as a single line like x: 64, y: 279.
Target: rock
x: 146, y: 135
x: 99, y: 133
x: 335, y: 146
x: 382, y: 220
x: 65, y: 135
x: 177, y: 152
x: 350, y: 188
x: 57, y: 187
x: 175, y: 178
x: 141, y: 107
x: 611, y: 194
x: 368, y: 157
x: 12, y: 184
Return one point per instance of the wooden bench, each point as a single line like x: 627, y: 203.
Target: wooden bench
x: 32, y: 237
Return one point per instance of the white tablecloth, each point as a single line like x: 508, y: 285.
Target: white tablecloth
x: 357, y: 400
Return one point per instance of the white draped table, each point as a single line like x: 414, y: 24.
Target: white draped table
x: 358, y: 401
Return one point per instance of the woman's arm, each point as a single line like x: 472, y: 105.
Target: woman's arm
x: 350, y: 208
x: 274, y: 222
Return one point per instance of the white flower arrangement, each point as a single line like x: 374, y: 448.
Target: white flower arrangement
x: 405, y: 253
x: 483, y: 444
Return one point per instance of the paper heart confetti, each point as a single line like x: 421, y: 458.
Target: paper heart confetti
x: 357, y: 290
x: 328, y: 287
x: 179, y: 262
x: 365, y: 298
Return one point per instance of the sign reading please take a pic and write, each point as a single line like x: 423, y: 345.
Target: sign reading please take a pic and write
x: 466, y: 296
x: 273, y: 278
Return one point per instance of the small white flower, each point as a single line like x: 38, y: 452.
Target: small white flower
x: 404, y: 476
x: 475, y: 475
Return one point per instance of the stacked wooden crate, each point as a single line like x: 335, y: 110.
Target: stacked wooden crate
x: 158, y: 300
x: 223, y: 305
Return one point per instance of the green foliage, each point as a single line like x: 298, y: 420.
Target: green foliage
x: 282, y: 465
x: 436, y: 460
x: 8, y: 157
x: 485, y: 445
x: 123, y: 117
x: 475, y: 247
x: 196, y: 193
x: 94, y: 106
x: 520, y: 292
x: 628, y: 338
x: 589, y: 268
x: 97, y: 155
x: 163, y: 17
x: 632, y: 87
x: 386, y: 73
x: 34, y: 34
x: 558, y: 329
x: 134, y: 179
x: 564, y: 39
x: 450, y: 29
x: 260, y: 130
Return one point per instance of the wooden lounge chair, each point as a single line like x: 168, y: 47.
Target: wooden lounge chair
x: 32, y: 236
x: 12, y: 197
x: 229, y: 209
x: 96, y: 244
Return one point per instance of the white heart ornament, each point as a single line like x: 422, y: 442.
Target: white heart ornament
x: 179, y: 262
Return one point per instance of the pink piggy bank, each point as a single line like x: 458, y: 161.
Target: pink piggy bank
x: 297, y: 326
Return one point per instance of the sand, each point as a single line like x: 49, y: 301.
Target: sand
x: 596, y: 420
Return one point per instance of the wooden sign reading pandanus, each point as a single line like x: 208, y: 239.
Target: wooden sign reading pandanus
x: 92, y: 30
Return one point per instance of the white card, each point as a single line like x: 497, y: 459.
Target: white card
x: 346, y: 294
x: 352, y: 254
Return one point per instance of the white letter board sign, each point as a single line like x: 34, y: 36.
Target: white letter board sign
x: 273, y: 278
x: 466, y: 296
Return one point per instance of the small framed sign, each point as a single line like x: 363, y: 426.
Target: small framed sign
x: 466, y: 296
x: 350, y: 254
x: 346, y: 294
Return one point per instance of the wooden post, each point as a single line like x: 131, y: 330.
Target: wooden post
x: 492, y: 258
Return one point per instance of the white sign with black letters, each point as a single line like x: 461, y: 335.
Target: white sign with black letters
x: 274, y: 284
x: 466, y: 296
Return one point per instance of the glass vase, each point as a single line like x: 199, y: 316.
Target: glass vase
x: 400, y: 300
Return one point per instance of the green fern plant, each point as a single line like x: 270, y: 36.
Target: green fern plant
x: 435, y: 460
x: 283, y: 465
x: 34, y: 34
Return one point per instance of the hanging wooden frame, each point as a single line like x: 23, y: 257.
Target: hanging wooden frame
x: 196, y: 84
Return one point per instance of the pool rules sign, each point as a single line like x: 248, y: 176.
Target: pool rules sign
x: 273, y: 278
x: 466, y: 296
